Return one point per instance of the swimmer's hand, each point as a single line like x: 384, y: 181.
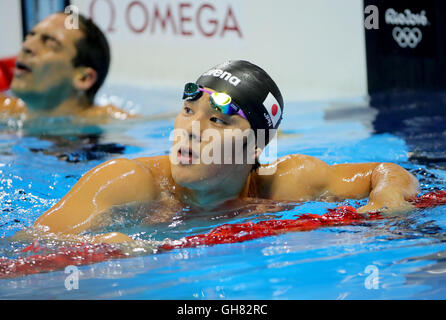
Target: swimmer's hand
x: 38, y: 234
x: 125, y: 244
x: 391, y: 189
x: 112, y: 238
x: 387, y: 201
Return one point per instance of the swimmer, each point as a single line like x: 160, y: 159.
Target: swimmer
x: 232, y: 97
x: 59, y: 71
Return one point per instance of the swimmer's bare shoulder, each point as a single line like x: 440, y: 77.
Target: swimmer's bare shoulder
x: 304, y: 178
x: 107, y: 112
x: 10, y: 106
x: 159, y: 167
x: 116, y: 182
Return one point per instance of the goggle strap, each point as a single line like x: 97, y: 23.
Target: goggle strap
x: 241, y: 113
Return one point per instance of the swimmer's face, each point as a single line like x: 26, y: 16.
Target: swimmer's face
x: 208, y: 146
x: 45, y: 62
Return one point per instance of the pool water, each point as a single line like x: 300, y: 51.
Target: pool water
x: 401, y: 257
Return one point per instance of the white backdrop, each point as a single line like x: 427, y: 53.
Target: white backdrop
x: 314, y: 49
x: 10, y: 27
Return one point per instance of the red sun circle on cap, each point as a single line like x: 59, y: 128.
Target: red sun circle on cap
x: 274, y: 109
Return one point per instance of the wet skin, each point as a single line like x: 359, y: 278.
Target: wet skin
x: 165, y: 187
x: 46, y: 81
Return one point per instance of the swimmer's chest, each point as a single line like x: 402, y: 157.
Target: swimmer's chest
x: 169, y: 209
x: 149, y: 213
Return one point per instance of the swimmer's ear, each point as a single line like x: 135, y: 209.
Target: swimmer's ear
x: 84, y: 78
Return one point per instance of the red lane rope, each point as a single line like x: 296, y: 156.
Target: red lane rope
x: 77, y: 255
x: 231, y: 233
x: 345, y: 215
x: 431, y: 199
x: 7, y: 66
x: 83, y: 254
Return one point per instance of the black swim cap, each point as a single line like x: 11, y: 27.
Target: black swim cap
x: 252, y: 89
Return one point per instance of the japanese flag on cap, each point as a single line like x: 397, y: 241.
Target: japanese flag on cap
x: 273, y: 108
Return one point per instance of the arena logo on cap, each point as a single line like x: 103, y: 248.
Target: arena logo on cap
x: 224, y: 75
x: 274, y: 111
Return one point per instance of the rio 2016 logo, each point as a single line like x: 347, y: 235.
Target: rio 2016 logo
x: 406, y: 31
x: 407, y: 37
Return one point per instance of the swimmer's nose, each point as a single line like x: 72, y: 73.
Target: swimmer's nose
x: 194, y: 130
x: 195, y: 136
x: 29, y: 46
x: 27, y: 51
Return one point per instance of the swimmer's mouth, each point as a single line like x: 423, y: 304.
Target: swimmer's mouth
x: 21, y: 68
x: 186, y: 155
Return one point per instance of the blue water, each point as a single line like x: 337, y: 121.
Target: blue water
x: 407, y: 252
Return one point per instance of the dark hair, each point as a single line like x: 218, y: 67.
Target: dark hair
x: 93, y: 51
x: 256, y: 165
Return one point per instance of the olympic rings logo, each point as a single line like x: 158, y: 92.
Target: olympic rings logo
x: 407, y: 37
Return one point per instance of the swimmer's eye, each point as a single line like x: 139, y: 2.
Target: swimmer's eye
x: 51, y: 42
x: 219, y: 121
x: 30, y: 35
x: 46, y: 39
x: 188, y: 110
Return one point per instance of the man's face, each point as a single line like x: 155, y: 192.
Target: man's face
x: 45, y: 62
x: 209, y: 147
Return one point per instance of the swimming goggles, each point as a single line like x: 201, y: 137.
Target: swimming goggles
x: 219, y: 100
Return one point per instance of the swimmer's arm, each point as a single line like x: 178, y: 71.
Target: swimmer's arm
x: 115, y: 182
x: 387, y: 185
x: 305, y: 178
x: 391, y: 188
x: 32, y: 234
x: 10, y: 106
x: 105, y: 113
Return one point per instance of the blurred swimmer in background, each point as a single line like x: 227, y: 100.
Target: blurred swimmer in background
x: 55, y: 78
x: 59, y: 71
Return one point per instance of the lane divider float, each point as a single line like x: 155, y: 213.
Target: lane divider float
x: 84, y: 254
